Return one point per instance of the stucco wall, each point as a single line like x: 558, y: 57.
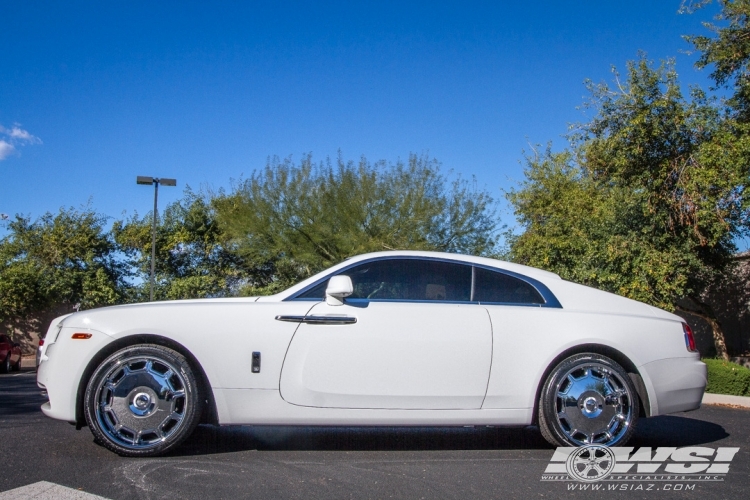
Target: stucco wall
x: 731, y: 303
x: 28, y: 330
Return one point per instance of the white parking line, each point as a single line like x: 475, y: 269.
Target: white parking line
x: 44, y: 490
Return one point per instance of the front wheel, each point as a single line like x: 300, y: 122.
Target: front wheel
x: 588, y: 399
x: 143, y: 400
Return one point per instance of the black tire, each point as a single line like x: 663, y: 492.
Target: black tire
x: 5, y: 366
x: 143, y: 400
x: 17, y: 366
x: 588, y: 399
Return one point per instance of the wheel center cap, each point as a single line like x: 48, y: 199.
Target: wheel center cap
x: 143, y: 402
x: 591, y: 406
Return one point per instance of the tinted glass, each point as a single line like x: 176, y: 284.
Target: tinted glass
x: 406, y: 279
x: 317, y: 292
x: 490, y: 286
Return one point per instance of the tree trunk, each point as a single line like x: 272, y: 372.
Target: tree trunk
x: 706, y: 312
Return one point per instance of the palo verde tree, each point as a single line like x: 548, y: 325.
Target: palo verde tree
x: 292, y: 220
x: 648, y: 200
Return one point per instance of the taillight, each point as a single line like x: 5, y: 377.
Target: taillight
x: 689, y: 338
x: 41, y: 342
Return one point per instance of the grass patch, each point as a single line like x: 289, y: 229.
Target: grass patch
x: 725, y: 377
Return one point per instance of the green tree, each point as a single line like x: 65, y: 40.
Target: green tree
x: 290, y: 221
x: 648, y: 200
x: 191, y: 259
x: 727, y: 51
x: 63, y: 258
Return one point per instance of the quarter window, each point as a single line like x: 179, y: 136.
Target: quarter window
x: 490, y: 286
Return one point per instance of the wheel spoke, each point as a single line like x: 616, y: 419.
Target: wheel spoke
x: 177, y: 417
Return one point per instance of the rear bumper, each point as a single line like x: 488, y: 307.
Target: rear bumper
x: 676, y: 384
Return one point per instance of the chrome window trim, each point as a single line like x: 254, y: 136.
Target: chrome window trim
x: 549, y: 298
x: 473, y: 283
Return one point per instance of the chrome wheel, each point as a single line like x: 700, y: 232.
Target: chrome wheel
x: 593, y: 404
x: 143, y: 400
x: 588, y: 400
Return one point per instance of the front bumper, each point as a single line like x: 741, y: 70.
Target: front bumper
x: 677, y: 384
x: 61, y: 368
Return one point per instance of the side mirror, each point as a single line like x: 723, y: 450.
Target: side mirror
x: 338, y: 288
x: 16, y: 344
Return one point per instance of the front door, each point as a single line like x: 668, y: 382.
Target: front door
x: 417, y: 343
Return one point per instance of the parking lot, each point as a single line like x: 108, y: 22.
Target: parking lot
x: 311, y: 463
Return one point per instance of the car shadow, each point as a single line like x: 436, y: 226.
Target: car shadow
x: 676, y: 430
x: 668, y: 430
x: 212, y: 439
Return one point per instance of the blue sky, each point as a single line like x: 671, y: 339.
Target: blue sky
x: 94, y: 93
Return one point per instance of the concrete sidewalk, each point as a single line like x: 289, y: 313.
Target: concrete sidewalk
x: 725, y: 399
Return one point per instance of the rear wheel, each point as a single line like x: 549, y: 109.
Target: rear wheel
x: 143, y: 400
x: 5, y: 366
x: 17, y: 366
x: 588, y: 399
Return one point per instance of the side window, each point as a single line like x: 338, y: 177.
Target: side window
x: 316, y: 292
x: 406, y: 279
x: 490, y: 286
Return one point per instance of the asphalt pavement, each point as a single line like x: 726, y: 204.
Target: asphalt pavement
x: 336, y: 463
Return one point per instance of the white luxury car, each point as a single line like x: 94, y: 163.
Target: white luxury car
x: 391, y: 338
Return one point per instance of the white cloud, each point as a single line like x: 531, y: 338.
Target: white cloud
x: 18, y: 133
x: 16, y: 137
x: 5, y: 149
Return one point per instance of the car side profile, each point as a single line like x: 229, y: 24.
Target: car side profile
x: 390, y: 338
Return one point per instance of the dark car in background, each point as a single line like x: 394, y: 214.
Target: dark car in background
x: 10, y: 355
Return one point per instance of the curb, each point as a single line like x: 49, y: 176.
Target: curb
x: 725, y: 399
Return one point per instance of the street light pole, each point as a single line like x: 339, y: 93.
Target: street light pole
x: 141, y: 179
x: 153, y: 239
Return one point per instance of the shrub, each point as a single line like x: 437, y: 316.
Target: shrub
x: 725, y: 377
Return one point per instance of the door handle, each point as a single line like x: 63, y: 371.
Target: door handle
x: 319, y: 320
